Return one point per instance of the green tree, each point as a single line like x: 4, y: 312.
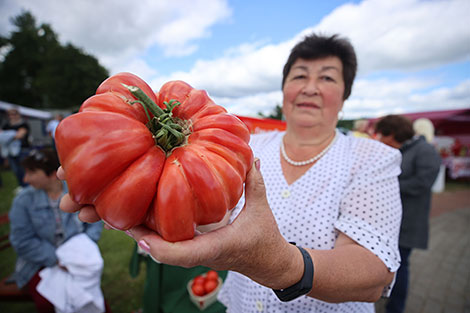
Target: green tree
x: 276, y: 114
x: 37, y: 71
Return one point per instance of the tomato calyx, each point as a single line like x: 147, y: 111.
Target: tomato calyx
x: 167, y: 130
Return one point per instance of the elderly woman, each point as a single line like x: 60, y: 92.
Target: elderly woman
x: 321, y: 229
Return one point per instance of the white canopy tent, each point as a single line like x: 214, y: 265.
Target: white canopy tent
x: 37, y: 120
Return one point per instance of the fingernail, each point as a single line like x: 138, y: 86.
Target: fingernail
x: 144, y: 246
x: 257, y: 164
x: 111, y: 227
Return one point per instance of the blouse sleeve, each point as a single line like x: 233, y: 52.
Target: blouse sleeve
x: 370, y: 209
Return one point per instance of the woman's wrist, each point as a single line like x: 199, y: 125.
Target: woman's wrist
x: 291, y: 269
x: 279, y: 268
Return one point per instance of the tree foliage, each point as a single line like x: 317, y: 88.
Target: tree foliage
x: 38, y: 71
x: 275, y: 114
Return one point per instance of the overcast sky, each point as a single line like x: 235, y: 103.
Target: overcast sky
x: 413, y: 55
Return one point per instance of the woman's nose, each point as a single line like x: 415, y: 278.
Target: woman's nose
x: 310, y: 88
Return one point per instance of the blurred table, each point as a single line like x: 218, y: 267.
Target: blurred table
x: 165, y: 286
x: 457, y: 166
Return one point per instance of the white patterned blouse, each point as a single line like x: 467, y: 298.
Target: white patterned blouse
x: 352, y: 189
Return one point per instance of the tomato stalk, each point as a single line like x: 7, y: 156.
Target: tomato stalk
x: 166, y: 130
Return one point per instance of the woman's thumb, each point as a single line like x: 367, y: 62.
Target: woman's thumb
x: 254, y: 185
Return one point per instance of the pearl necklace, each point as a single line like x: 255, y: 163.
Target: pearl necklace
x: 302, y: 163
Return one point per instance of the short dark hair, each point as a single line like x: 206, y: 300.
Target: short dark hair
x: 44, y: 159
x: 397, y: 125
x: 316, y: 47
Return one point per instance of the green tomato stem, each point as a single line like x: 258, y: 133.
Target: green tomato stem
x: 166, y: 132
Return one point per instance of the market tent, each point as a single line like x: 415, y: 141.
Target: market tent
x: 448, y: 122
x: 25, y: 111
x: 259, y: 125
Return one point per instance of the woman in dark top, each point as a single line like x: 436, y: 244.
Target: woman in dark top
x: 16, y: 123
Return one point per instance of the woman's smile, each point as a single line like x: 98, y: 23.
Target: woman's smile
x: 308, y: 105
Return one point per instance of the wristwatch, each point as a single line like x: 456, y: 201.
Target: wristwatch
x: 304, y: 285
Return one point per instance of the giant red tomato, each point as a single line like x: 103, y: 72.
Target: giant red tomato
x: 171, y: 160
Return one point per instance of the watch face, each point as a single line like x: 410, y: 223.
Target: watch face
x: 303, y: 286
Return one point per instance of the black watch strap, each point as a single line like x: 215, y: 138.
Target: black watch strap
x: 303, y: 286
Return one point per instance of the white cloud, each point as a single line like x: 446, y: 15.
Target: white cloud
x: 403, y: 34
x: 118, y: 32
x: 374, y: 98
x: 189, y: 20
x: 251, y: 104
x: 246, y: 72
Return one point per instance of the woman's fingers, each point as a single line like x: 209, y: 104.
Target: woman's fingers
x: 68, y: 205
x: 88, y: 214
x: 60, y: 173
x: 201, y: 250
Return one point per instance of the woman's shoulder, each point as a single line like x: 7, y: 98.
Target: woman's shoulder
x: 23, y: 200
x: 370, y: 150
x: 26, y: 193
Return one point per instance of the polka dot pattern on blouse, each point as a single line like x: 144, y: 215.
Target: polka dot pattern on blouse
x: 352, y: 189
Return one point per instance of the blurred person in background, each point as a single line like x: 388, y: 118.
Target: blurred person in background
x: 360, y: 128
x: 320, y: 232
x: 420, y: 167
x: 21, y: 139
x: 424, y: 127
x: 37, y: 225
x: 52, y: 125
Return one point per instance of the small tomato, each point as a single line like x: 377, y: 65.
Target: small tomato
x: 198, y: 280
x: 210, y: 285
x: 198, y: 289
x: 212, y: 275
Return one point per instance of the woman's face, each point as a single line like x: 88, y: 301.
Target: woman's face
x: 37, y: 178
x: 313, y: 92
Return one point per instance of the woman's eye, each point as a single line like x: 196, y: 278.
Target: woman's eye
x: 327, y: 78
x: 299, y: 77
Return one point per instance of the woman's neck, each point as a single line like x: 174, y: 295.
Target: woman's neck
x: 54, y: 190
x: 308, y: 136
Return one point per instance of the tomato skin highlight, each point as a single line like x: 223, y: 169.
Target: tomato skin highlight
x: 112, y: 160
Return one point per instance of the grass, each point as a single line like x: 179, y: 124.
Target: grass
x: 123, y: 293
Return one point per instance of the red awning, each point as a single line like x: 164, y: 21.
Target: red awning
x: 259, y: 125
